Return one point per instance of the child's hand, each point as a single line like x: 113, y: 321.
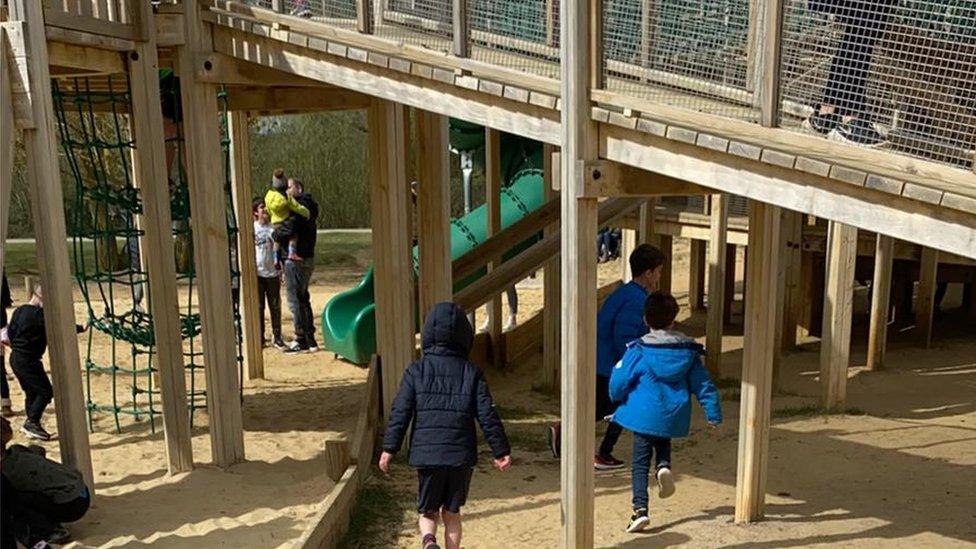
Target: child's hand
x: 503, y: 463
x: 384, y: 464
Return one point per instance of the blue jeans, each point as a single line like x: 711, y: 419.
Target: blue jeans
x: 297, y: 276
x: 644, y: 446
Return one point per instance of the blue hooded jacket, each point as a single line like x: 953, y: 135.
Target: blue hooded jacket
x: 654, y: 383
x: 620, y: 321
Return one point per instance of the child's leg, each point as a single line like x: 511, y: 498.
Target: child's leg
x: 452, y: 529
x: 662, y: 453
x: 640, y: 469
x: 428, y: 527
x: 293, y: 248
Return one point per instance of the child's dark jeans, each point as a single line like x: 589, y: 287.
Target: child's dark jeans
x: 644, y: 446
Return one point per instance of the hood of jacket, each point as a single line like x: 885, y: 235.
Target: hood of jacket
x: 669, y: 355
x: 447, y: 331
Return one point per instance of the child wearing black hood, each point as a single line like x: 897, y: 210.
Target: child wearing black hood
x: 443, y: 394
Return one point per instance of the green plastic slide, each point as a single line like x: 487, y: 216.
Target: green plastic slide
x: 349, y: 318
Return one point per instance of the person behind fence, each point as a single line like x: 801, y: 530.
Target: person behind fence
x: 38, y: 495
x: 5, y: 302
x: 27, y: 339
x: 283, y: 208
x: 653, y: 384
x: 442, y: 395
x: 843, y: 113
x: 269, y: 273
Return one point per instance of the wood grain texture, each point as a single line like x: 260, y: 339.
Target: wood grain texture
x: 835, y: 343
x: 434, y: 210
x: 880, y: 301
x: 717, y: 276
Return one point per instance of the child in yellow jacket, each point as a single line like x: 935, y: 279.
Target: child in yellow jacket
x: 282, y: 208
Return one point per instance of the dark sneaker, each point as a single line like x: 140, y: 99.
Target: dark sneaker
x: 638, y: 521
x: 858, y: 132
x: 665, y: 483
x: 279, y: 344
x: 429, y: 542
x: 34, y: 430
x: 552, y: 437
x: 607, y: 463
x: 295, y: 348
x: 822, y: 123
x: 59, y: 536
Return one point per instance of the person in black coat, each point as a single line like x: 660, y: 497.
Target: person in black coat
x: 442, y: 395
x: 5, y: 303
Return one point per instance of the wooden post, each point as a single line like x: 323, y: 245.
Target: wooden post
x: 552, y: 34
x: 389, y: 205
x: 696, y: 275
x: 47, y: 208
x: 760, y: 346
x: 337, y: 457
x: 647, y: 22
x: 151, y: 178
x: 928, y: 270
x: 8, y: 133
x: 240, y: 173
x: 205, y: 172
x: 717, y: 275
x: 493, y: 189
x: 578, y: 222
x: 364, y: 16
x: 645, y: 222
x: 884, y: 252
x: 835, y: 344
x: 434, y: 210
x: 769, y: 43
x: 792, y: 297
x: 731, y: 251
x: 461, y: 29
x: 665, y: 243
x: 628, y: 241
x: 551, y: 317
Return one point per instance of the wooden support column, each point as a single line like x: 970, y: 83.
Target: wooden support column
x: 579, y: 32
x: 628, y: 241
x: 645, y: 221
x: 364, y: 16
x: 666, y: 245
x: 769, y: 41
x: 205, y: 171
x: 717, y: 275
x: 792, y: 295
x: 8, y: 134
x: 493, y: 189
x: 393, y: 268
x: 731, y: 253
x: 461, y: 30
x: 696, y: 275
x: 760, y: 347
x: 47, y: 208
x: 434, y: 210
x: 928, y: 270
x: 156, y: 244
x: 884, y: 252
x: 835, y: 343
x: 240, y: 173
x: 551, y: 317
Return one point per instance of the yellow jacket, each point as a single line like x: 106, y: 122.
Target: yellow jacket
x: 281, y: 206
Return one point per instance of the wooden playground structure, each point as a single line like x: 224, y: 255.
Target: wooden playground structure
x: 620, y: 134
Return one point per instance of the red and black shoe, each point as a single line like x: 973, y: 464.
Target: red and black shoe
x: 607, y: 463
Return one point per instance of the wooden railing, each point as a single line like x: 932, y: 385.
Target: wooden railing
x: 112, y: 18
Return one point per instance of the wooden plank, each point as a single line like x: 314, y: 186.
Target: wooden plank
x: 504, y: 240
x: 925, y: 301
x: 835, y: 343
x: 337, y: 458
x: 364, y: 16
x: 493, y: 189
x: 69, y: 36
x: 628, y: 242
x: 156, y: 245
x: 696, y: 275
x: 332, y: 515
x: 604, y: 179
x: 770, y: 42
x: 646, y: 224
x: 393, y: 266
x: 434, y: 210
x: 269, y: 100
x: 88, y: 25
x: 760, y: 346
x: 85, y: 58
x: 666, y: 245
x: 880, y: 301
x: 551, y: 317
x: 717, y: 276
x: 240, y: 173
x: 217, y: 68
x: 204, y: 168
x: 8, y: 135
x: 461, y: 30
x: 792, y: 295
x: 47, y: 208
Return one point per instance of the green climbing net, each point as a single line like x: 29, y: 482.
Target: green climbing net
x: 104, y: 216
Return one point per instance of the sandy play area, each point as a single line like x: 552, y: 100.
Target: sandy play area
x: 897, y: 471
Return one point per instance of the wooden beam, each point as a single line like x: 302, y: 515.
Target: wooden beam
x: 240, y: 173
x: 8, y: 135
x: 434, y: 210
x: 647, y: 227
x: 204, y: 168
x: 150, y: 176
x: 460, y: 30
x: 717, y: 276
x: 628, y: 242
x: 770, y: 41
x: 607, y: 178
x: 928, y: 270
x: 696, y: 275
x: 551, y: 318
x: 364, y: 16
x: 90, y: 25
x: 217, y: 68
x: 792, y: 295
x: 267, y: 100
x: 337, y: 458
x: 760, y: 346
x: 393, y: 266
x: 85, y: 58
x: 880, y: 301
x: 666, y: 245
x: 493, y: 189
x: 47, y: 207
x: 68, y: 36
x: 835, y: 343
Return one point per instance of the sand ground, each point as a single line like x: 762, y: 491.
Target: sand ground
x: 896, y: 471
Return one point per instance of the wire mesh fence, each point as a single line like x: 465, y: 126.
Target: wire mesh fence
x: 335, y: 12
x: 424, y: 23
x: 687, y: 53
x: 884, y: 73
x: 516, y: 34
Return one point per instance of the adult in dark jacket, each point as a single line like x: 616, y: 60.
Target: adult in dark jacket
x: 442, y: 395
x: 298, y: 273
x: 5, y: 302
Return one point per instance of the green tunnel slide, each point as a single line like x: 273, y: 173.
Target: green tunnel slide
x: 348, y: 319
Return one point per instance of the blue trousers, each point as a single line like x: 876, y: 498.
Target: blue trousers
x: 644, y: 447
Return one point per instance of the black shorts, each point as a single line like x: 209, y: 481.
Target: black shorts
x: 442, y: 488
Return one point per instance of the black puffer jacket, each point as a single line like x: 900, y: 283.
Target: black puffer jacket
x: 442, y: 395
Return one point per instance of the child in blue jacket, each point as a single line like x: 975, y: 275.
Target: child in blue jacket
x: 653, y: 384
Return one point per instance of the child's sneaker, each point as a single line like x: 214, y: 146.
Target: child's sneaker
x: 429, y: 542
x: 638, y: 521
x: 606, y: 463
x: 280, y: 344
x: 665, y: 483
x: 34, y: 430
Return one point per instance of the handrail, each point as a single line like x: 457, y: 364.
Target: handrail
x: 113, y: 18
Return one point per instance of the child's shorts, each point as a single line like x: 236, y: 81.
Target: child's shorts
x: 442, y: 488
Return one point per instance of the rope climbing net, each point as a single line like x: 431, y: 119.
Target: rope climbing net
x: 104, y: 211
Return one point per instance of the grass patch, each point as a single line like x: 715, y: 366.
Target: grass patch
x: 812, y: 410
x: 377, y: 517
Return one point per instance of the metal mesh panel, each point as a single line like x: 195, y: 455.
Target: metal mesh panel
x: 337, y: 12
x: 517, y: 34
x: 686, y: 53
x: 898, y: 75
x: 426, y: 23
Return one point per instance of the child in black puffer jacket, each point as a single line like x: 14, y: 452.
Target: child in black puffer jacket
x: 442, y: 395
